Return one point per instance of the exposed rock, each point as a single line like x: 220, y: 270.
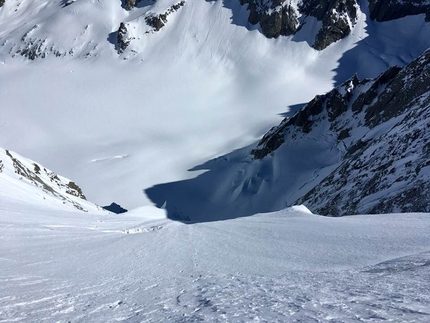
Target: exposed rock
x: 35, y: 45
x: 385, y: 10
x: 386, y: 166
x: 2, y: 3
x: 75, y: 190
x: 159, y: 21
x: 127, y: 31
x: 334, y: 103
x: 335, y: 27
x: 129, y: 4
x: 69, y: 2
x: 122, y: 38
x: 115, y: 208
x: 156, y: 21
x: 338, y: 17
x: 360, y: 148
x: 278, y: 17
x: 282, y: 22
x: 275, y: 17
x: 47, y: 181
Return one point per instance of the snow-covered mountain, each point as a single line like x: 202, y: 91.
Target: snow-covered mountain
x: 58, y: 263
x: 361, y: 148
x: 122, y: 95
x: 196, y: 80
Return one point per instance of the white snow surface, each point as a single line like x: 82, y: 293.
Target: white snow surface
x: 205, y: 84
x: 59, y: 265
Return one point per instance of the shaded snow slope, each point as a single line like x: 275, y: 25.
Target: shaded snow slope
x: 66, y: 265
x: 203, y: 85
x: 361, y: 148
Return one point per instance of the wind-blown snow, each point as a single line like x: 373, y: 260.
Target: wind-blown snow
x: 57, y: 264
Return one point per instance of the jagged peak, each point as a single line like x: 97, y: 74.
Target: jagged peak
x: 379, y: 98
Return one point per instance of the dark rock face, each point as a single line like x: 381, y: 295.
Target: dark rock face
x: 75, y: 190
x: 115, y: 208
x: 2, y: 3
x: 159, y: 21
x: 385, y: 10
x: 338, y: 18
x: 275, y: 17
x: 122, y: 39
x: 337, y: 24
x: 156, y: 22
x: 385, y: 166
x: 283, y: 22
x: 278, y: 18
x: 129, y: 4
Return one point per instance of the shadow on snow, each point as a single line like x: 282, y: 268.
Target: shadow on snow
x: 232, y: 185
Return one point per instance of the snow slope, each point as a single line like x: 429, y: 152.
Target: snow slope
x: 361, y: 148
x: 203, y: 85
x: 24, y: 180
x: 60, y: 264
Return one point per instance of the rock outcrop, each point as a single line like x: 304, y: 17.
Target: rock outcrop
x: 28, y: 176
x: 385, y: 10
x: 338, y: 19
x: 130, y: 4
x: 274, y: 17
x: 115, y: 208
x: 383, y: 127
x: 129, y: 31
x: 159, y: 21
x: 122, y: 38
x: 284, y: 18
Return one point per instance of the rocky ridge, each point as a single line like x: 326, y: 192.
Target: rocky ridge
x: 337, y: 17
x: 382, y: 127
x: 41, y: 181
x: 385, y: 10
x: 285, y: 17
x: 154, y: 22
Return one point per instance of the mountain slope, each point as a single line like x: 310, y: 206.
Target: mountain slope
x: 204, y: 84
x: 67, y: 265
x: 360, y: 148
x: 25, y: 181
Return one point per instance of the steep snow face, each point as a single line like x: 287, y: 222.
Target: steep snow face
x: 25, y: 181
x: 61, y: 264
x: 362, y: 147
x: 201, y: 86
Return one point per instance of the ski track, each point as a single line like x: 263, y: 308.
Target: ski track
x: 374, y: 294
x: 170, y: 273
